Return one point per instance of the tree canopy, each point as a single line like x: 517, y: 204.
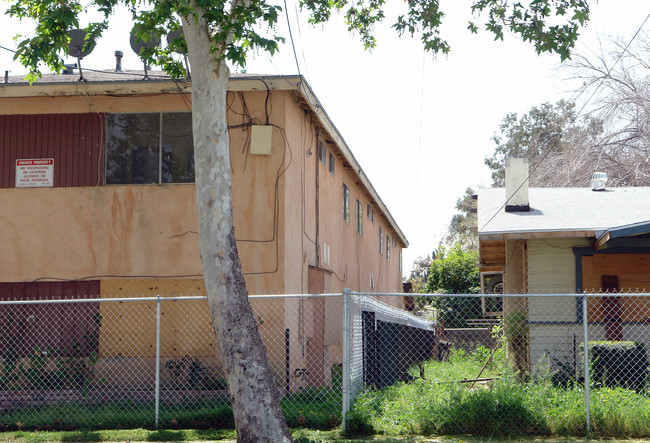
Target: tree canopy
x: 545, y: 130
x: 238, y: 27
x: 454, y: 271
x: 462, y: 229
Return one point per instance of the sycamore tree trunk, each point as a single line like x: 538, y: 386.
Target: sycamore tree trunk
x: 253, y: 393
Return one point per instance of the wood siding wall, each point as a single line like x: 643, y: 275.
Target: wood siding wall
x: 74, y: 141
x: 633, y: 272
x: 551, y: 269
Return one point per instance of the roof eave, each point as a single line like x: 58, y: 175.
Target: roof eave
x: 541, y: 234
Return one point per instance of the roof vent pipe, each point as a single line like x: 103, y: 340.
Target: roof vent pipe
x: 598, y: 181
x: 118, y: 61
x: 517, y: 184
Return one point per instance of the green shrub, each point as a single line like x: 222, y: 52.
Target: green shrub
x: 618, y: 363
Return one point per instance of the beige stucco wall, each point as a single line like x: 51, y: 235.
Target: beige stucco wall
x: 141, y: 239
x: 76, y: 233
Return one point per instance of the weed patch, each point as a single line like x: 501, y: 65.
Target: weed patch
x: 504, y: 407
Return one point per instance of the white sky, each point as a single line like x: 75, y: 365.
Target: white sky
x: 420, y: 127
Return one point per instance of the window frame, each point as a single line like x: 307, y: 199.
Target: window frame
x: 322, y: 152
x: 332, y: 163
x: 387, y: 248
x: 381, y: 241
x: 359, y: 217
x: 346, y: 203
x: 159, y: 143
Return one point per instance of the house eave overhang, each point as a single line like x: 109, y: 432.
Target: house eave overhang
x: 165, y: 85
x: 603, y: 237
x: 541, y: 234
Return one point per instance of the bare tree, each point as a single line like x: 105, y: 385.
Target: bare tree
x: 617, y: 77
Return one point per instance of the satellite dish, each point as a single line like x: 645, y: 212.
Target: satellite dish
x: 173, y: 36
x: 76, y: 44
x: 76, y: 47
x: 137, y: 44
x: 181, y: 48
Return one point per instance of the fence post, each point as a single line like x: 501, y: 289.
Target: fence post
x: 345, y: 358
x: 585, y: 325
x: 157, y: 393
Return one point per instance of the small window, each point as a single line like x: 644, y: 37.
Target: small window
x: 321, y: 152
x: 331, y: 167
x: 359, y: 218
x: 326, y: 253
x: 387, y: 248
x: 394, y: 243
x: 381, y: 241
x: 346, y: 203
x: 368, y: 210
x: 372, y: 217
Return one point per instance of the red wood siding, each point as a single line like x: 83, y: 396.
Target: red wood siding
x: 49, y: 326
x: 74, y: 141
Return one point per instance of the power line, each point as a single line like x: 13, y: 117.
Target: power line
x: 302, y: 46
x: 295, y: 56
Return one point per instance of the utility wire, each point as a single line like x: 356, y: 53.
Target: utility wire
x: 302, y: 46
x: 571, y: 123
x: 295, y: 55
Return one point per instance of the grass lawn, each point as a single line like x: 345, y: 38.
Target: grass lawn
x: 300, y: 436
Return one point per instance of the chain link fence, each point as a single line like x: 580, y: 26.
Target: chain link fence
x: 426, y: 364
x: 153, y: 361
x: 502, y: 365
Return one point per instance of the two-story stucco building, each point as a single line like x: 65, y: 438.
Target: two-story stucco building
x: 97, y: 198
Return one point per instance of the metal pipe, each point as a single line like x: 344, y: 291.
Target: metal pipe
x: 118, y: 61
x: 148, y: 299
x: 345, y: 358
x: 585, y: 325
x: 157, y: 393
x: 287, y: 361
x: 98, y: 300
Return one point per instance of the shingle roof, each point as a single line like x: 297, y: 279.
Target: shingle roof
x: 108, y: 75
x: 563, y: 209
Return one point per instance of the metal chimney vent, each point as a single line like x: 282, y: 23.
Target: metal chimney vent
x: 598, y: 181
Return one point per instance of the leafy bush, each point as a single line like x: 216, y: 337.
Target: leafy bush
x: 454, y: 271
x: 619, y: 363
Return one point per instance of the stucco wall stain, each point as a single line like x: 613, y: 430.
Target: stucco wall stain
x: 121, y: 230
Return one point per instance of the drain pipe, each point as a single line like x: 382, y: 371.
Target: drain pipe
x: 317, y: 200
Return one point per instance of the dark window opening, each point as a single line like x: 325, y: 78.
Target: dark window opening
x: 149, y: 148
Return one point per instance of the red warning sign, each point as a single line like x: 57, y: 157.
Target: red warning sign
x: 35, y: 173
